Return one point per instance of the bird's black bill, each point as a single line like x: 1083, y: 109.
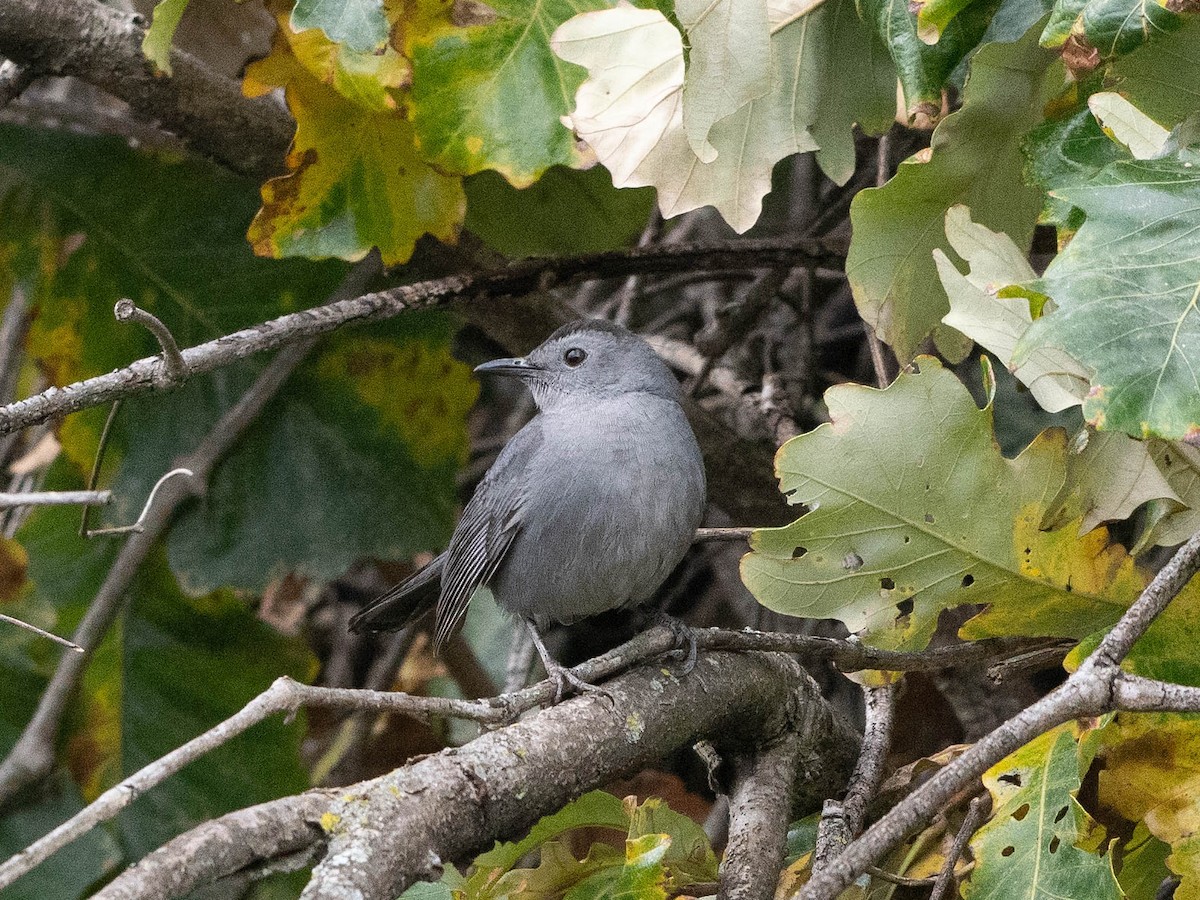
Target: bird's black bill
x: 516, y: 366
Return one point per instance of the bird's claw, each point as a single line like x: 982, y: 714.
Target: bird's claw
x: 567, y: 682
x: 685, y: 642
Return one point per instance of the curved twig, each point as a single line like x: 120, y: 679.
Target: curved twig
x: 174, y: 370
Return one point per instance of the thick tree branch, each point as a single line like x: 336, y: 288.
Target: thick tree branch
x: 390, y: 831
x: 228, y: 845
x: 518, y: 278
x: 287, y: 696
x: 1095, y: 688
x: 13, y: 81
x: 760, y: 808
x: 103, y: 46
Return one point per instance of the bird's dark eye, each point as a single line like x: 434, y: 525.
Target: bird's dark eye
x: 575, y: 356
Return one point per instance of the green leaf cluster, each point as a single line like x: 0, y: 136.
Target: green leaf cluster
x: 663, y: 853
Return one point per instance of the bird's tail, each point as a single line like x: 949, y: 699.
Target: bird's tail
x: 404, y: 603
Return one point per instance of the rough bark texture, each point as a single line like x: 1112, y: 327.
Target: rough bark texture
x: 103, y: 46
x: 386, y: 833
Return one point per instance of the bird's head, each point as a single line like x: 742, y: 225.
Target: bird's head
x: 586, y: 361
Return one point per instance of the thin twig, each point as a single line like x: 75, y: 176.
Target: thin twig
x: 686, y: 358
x: 56, y: 498
x: 41, y: 632
x: 174, y: 369
x: 733, y: 321
x: 974, y: 818
x: 892, y: 878
x: 711, y: 535
x: 880, y: 707
x: 842, y: 821
x: 101, y: 448
x: 32, y: 756
x: 760, y: 806
x: 1042, y: 658
x: 141, y: 519
x: 516, y: 279
x: 1098, y: 686
x: 284, y: 695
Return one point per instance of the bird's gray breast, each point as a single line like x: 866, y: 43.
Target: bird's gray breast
x: 613, y: 497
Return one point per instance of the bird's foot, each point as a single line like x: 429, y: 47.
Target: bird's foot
x: 685, y: 641
x: 567, y: 683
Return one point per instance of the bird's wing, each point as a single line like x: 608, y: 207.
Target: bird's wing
x: 486, y: 530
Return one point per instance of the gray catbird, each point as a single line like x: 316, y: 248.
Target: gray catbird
x: 588, y: 508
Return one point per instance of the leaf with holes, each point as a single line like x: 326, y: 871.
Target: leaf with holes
x: 904, y: 521
x: 1126, y: 291
x: 1040, y: 844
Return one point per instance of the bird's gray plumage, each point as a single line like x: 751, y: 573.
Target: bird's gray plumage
x: 588, y: 508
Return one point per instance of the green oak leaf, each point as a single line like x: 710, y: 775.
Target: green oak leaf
x: 904, y: 521
x: 1116, y: 27
x: 1135, y: 326
x: 1040, y: 844
x: 924, y: 68
x: 974, y: 159
x: 161, y: 33
x: 491, y: 96
x: 355, y: 458
x: 567, y: 211
x: 1064, y: 152
x: 359, y: 24
x: 1160, y: 77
